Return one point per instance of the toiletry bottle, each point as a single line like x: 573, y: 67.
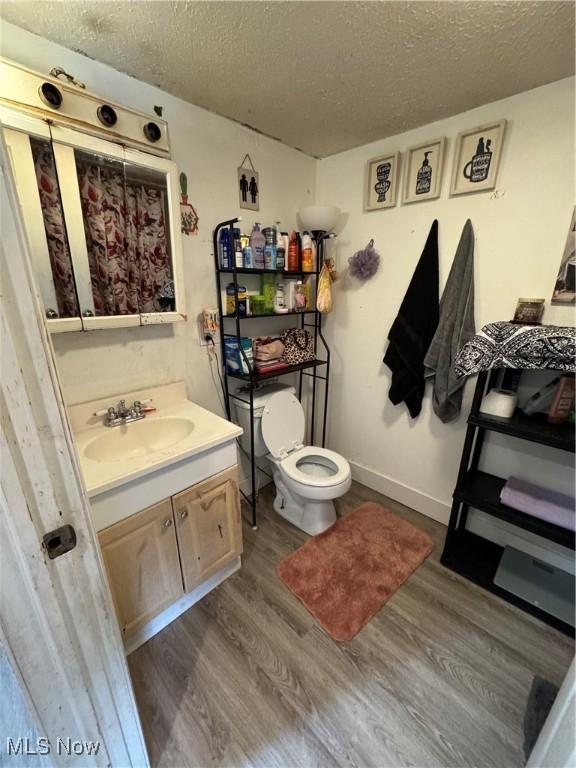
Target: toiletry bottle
x: 279, y: 300
x: 224, y: 249
x: 285, y: 239
x: 299, y: 297
x: 247, y: 257
x: 270, y: 248
x: 238, y: 256
x: 294, y: 252
x: 257, y: 243
x: 280, y: 254
x: 268, y: 291
x: 307, y: 253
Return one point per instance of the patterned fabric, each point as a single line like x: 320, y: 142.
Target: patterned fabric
x: 58, y: 250
x: 298, y: 346
x: 126, y: 238
x: 508, y: 345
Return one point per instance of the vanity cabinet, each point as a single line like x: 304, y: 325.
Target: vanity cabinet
x: 156, y: 556
x: 208, y: 526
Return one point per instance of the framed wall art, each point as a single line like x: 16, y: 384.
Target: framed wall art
x: 382, y: 174
x: 476, y: 158
x: 423, y: 176
x: 565, y: 288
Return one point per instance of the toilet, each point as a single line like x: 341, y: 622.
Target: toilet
x: 307, y: 478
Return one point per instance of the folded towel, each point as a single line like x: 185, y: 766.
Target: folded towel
x: 539, y: 502
x: 413, y: 329
x: 455, y: 328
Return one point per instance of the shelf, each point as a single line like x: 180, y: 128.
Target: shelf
x: 477, y: 559
x: 482, y: 491
x: 280, y: 372
x: 268, y: 314
x: 532, y: 428
x: 248, y: 271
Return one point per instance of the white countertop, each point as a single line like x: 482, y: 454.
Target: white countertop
x: 208, y: 431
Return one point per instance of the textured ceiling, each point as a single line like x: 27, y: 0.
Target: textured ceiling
x: 320, y: 76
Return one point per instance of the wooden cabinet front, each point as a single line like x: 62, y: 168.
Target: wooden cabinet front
x: 208, y: 526
x: 141, y: 557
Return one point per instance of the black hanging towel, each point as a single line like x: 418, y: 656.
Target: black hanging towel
x: 414, y: 329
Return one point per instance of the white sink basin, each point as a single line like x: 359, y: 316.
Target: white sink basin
x: 138, y: 438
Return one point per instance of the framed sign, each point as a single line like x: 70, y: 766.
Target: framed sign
x: 424, y: 166
x: 382, y: 182
x: 477, y: 158
x: 565, y: 288
x: 248, y: 185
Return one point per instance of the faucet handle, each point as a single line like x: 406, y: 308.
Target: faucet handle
x: 105, y: 411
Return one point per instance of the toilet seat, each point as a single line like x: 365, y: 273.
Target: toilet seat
x: 283, y: 424
x: 291, y: 467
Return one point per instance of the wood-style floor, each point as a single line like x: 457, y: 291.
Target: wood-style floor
x: 439, y: 677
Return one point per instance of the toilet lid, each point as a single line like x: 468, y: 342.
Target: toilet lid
x: 283, y: 424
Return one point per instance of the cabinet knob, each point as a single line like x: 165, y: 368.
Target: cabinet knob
x: 167, y: 523
x: 51, y: 314
x: 183, y: 514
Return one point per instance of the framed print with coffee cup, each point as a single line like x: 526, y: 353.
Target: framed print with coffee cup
x: 423, y: 173
x: 382, y: 182
x: 477, y: 158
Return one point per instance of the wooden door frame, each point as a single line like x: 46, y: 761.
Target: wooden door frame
x: 57, y: 619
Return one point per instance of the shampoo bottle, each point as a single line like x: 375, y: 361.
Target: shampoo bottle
x: 307, y: 253
x: 225, y: 249
x: 294, y: 252
x: 257, y: 243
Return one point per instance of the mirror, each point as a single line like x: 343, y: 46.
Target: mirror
x: 124, y: 210
x: 103, y: 223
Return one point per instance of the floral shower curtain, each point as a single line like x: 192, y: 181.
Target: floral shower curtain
x: 58, y: 250
x: 125, y: 228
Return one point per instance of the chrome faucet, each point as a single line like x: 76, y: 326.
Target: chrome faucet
x: 116, y: 415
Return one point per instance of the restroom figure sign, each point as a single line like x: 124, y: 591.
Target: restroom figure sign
x: 478, y: 168
x: 248, y: 185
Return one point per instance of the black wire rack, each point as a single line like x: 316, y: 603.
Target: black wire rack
x: 310, y: 319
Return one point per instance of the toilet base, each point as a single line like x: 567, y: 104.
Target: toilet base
x: 312, y: 517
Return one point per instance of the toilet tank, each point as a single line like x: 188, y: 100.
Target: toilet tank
x: 241, y: 412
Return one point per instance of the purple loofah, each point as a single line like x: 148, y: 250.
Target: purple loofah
x: 364, y: 264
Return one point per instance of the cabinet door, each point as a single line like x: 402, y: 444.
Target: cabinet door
x: 141, y: 557
x: 208, y: 526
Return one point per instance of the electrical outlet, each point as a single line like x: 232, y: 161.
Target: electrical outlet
x: 207, y: 339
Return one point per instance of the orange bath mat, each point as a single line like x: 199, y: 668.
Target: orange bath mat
x: 346, y: 574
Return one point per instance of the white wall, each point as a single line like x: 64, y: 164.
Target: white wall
x: 520, y: 231
x: 208, y: 148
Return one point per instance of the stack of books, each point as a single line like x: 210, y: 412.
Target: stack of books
x: 269, y: 365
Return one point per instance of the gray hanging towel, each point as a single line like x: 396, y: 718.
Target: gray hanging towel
x: 455, y: 328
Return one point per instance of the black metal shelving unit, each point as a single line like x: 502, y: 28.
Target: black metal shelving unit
x: 253, y: 379
x: 465, y: 552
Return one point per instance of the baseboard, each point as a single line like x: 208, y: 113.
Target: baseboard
x: 411, y: 497
x: 171, y: 613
